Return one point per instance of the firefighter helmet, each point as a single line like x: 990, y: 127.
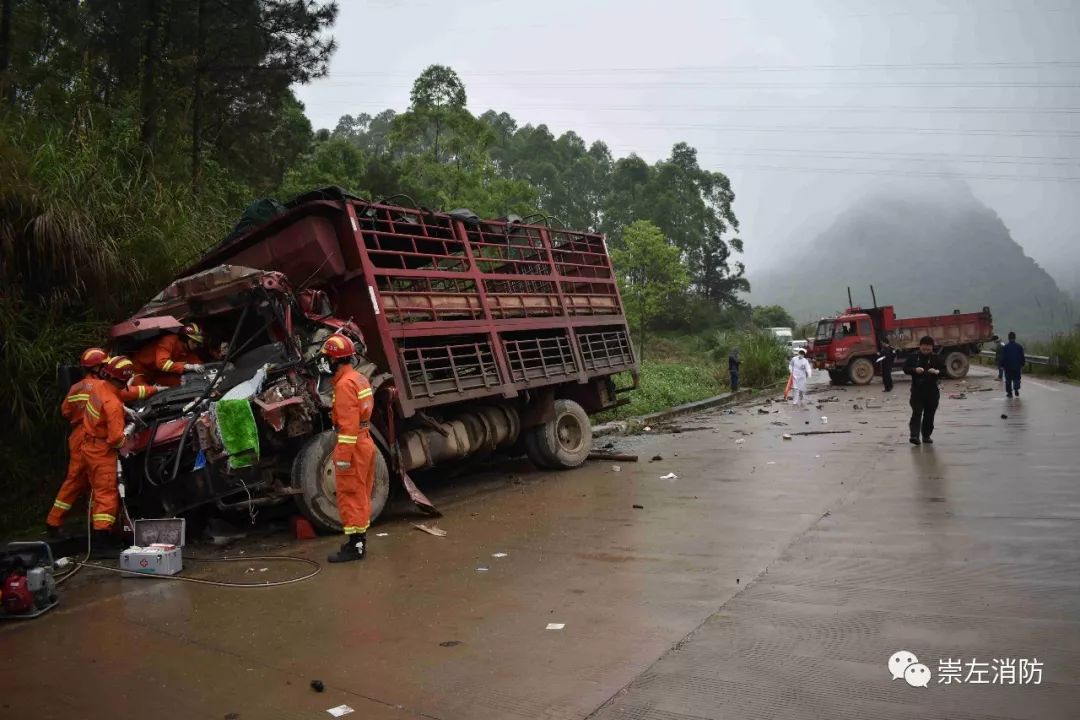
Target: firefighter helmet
x: 194, y: 334
x: 338, y: 347
x: 93, y: 358
x: 119, y: 368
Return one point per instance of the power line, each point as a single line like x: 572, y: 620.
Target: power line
x: 933, y: 109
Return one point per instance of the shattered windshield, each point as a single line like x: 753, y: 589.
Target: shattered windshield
x: 824, y: 331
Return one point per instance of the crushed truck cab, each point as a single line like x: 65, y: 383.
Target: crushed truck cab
x: 480, y: 336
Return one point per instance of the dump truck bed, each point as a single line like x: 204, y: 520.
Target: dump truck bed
x: 954, y: 330
x: 454, y: 308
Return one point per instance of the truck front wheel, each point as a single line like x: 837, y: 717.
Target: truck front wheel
x: 563, y: 442
x: 957, y: 365
x: 313, y: 474
x: 861, y: 371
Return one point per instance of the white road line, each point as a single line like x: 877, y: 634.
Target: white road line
x: 1029, y: 381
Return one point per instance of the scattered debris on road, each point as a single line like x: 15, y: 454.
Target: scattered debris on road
x: 317, y: 685
x: 498, y: 555
x: 481, y: 569
x: 778, y: 423
x: 340, y: 710
x: 787, y: 436
x: 623, y: 457
x: 656, y: 458
x: 740, y: 441
x: 556, y: 626
x: 822, y: 432
x: 616, y: 468
x: 383, y: 534
x: 1004, y: 416
x: 639, y: 507
x: 669, y: 476
x: 957, y: 396
x: 449, y: 643
x: 430, y: 529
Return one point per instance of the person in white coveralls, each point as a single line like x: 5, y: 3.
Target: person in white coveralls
x: 800, y: 372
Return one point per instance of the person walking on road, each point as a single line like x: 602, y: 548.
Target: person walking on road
x: 354, y: 453
x: 925, y: 369
x: 998, y: 345
x: 888, y: 355
x: 1012, y: 362
x: 733, y: 362
x: 800, y: 372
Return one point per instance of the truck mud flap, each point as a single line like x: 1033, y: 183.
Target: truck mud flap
x: 418, y: 498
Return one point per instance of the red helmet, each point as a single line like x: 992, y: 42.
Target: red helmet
x: 338, y: 346
x: 194, y: 334
x: 93, y: 358
x: 119, y: 368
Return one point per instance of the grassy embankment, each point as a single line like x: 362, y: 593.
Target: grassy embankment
x: 679, y: 369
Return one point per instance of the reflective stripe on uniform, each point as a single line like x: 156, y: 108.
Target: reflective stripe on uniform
x: 93, y: 411
x: 61, y: 505
x: 355, y: 529
x: 366, y: 392
x: 167, y: 365
x: 142, y: 392
x: 77, y: 398
x: 106, y: 517
x: 346, y: 439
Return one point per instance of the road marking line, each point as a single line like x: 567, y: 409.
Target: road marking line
x: 1039, y: 384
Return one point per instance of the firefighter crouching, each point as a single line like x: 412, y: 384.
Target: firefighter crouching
x: 162, y: 361
x: 354, y: 453
x: 103, y: 425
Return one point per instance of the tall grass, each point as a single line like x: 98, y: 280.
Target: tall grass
x: 1064, y: 348
x: 88, y: 232
x: 763, y: 359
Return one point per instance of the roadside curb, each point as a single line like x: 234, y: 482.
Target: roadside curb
x: 619, y: 426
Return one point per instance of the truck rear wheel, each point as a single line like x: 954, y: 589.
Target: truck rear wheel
x: 957, y: 365
x: 313, y: 473
x: 563, y: 442
x: 861, y: 371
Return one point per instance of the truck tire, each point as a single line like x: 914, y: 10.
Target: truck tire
x: 562, y: 443
x: 957, y: 365
x: 313, y: 473
x: 838, y: 377
x: 861, y: 371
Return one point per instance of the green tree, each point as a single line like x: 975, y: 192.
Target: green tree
x: 767, y: 316
x: 334, y: 162
x: 651, y: 274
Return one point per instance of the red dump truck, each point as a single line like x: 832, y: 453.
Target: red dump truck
x: 481, y: 336
x: 847, y: 345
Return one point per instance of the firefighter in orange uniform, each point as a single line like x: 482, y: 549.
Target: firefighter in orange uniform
x: 103, y: 423
x: 354, y: 453
x: 168, y: 357
x: 76, y: 482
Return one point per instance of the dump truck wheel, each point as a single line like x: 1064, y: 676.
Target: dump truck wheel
x: 562, y: 443
x: 861, y: 371
x: 957, y: 365
x: 313, y: 473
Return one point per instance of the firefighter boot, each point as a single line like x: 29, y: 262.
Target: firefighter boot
x: 103, y: 546
x: 353, y: 548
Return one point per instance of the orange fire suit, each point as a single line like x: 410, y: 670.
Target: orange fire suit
x: 103, y: 423
x: 77, y: 480
x: 354, y: 453
x: 162, y: 361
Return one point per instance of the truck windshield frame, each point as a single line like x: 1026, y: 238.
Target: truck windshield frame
x: 825, y: 331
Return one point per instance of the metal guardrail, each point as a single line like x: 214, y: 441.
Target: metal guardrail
x: 1031, y: 359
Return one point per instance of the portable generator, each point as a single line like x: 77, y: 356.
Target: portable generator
x: 27, y: 584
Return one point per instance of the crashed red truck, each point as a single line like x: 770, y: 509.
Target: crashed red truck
x: 481, y: 337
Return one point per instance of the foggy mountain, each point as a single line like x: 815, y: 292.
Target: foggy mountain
x: 925, y: 252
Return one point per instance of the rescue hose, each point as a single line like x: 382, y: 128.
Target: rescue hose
x: 221, y: 583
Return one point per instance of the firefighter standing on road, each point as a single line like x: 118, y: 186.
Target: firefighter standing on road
x: 165, y: 359
x: 76, y: 482
x: 354, y: 453
x: 103, y: 423
x: 925, y: 368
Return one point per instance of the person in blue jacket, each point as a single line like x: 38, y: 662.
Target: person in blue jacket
x: 1013, y: 361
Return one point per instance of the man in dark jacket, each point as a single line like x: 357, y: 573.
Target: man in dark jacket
x: 924, y: 367
x: 733, y: 363
x: 1012, y: 361
x: 888, y: 355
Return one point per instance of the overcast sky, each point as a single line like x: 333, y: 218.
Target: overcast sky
x: 802, y: 103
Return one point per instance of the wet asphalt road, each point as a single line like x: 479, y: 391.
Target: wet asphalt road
x: 772, y: 579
